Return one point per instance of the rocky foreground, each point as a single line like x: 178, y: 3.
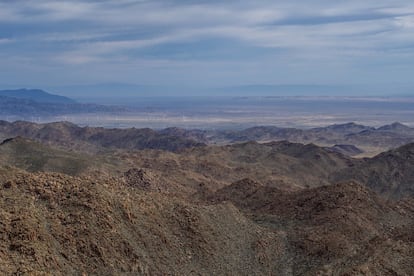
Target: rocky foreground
x: 277, y: 208
x: 57, y: 224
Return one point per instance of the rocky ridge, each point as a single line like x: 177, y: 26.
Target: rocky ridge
x: 275, y: 208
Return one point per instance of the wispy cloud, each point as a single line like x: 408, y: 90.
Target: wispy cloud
x: 322, y: 36
x: 5, y: 40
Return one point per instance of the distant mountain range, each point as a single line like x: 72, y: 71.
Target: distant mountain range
x: 36, y: 95
x: 81, y: 200
x: 26, y: 103
x: 349, y: 138
x: 92, y: 139
x: 65, y: 147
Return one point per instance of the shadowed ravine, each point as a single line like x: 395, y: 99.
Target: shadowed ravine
x: 161, y: 203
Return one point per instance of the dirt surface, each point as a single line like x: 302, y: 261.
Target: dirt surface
x: 58, y: 224
x: 277, y: 208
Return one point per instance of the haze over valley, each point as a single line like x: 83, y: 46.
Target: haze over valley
x: 207, y: 112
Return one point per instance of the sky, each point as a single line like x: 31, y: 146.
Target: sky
x: 76, y: 47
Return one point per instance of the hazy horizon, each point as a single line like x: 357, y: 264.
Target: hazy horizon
x: 102, y: 92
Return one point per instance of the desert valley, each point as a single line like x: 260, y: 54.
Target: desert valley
x: 172, y: 137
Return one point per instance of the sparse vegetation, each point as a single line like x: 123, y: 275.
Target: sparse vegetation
x: 251, y: 208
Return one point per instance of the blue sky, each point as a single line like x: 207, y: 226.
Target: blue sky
x: 190, y: 47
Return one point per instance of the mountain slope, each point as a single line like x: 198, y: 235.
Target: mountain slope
x: 92, y: 139
x: 285, y: 165
x: 243, y: 209
x: 36, y: 95
x: 370, y: 140
x: 288, y: 166
x: 390, y: 173
x: 30, y: 104
x: 56, y: 224
x: 349, y: 150
x: 32, y: 156
x: 397, y: 127
x: 342, y: 229
x: 53, y: 223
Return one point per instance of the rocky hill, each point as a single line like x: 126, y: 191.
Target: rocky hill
x: 33, y: 156
x: 25, y: 104
x: 284, y: 165
x: 370, y: 140
x: 125, y: 208
x: 349, y: 150
x: 390, y: 173
x: 36, y: 95
x: 71, y: 136
x: 57, y: 224
x: 350, y: 139
x: 342, y: 229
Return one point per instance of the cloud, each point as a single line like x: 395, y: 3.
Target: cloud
x: 5, y: 40
x: 320, y: 35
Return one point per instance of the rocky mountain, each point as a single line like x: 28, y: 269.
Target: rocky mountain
x: 349, y: 150
x: 90, y: 139
x: 32, y: 156
x: 350, y: 139
x: 397, y: 127
x: 36, y: 95
x: 370, y: 140
x: 327, y: 134
x: 323, y: 227
x: 54, y: 223
x: 142, y: 202
x: 391, y: 173
x: 25, y: 104
x: 284, y: 165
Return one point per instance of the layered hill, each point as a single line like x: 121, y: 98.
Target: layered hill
x: 100, y: 201
x: 92, y: 139
x: 349, y: 139
x: 349, y: 150
x: 390, y: 173
x: 368, y: 139
x: 33, y: 156
x: 36, y: 95
x: 29, y: 103
x: 342, y: 229
x: 334, y: 134
x: 57, y: 224
x: 282, y: 164
x: 288, y: 166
